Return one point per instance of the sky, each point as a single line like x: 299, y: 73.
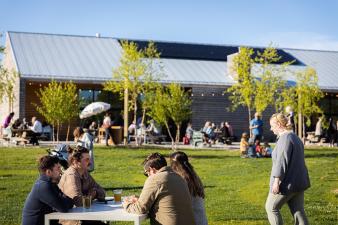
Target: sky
x: 302, y: 24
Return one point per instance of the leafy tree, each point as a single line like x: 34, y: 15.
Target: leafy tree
x: 304, y: 97
x: 271, y: 80
x: 58, y: 103
x: 7, y: 83
x: 243, y: 91
x: 135, y: 75
x: 178, y: 106
x: 264, y: 89
x: 170, y: 103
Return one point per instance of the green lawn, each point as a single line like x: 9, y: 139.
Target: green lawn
x: 236, y: 188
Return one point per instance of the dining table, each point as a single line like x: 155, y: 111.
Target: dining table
x: 108, y: 210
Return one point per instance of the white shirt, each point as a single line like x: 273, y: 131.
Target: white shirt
x: 107, y: 121
x: 37, y: 127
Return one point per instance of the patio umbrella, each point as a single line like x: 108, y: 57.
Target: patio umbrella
x: 94, y: 109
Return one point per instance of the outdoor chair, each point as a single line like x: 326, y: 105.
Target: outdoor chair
x: 197, y: 137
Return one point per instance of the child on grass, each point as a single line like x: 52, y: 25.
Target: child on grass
x: 244, y: 145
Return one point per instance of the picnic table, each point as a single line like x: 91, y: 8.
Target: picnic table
x: 102, y: 211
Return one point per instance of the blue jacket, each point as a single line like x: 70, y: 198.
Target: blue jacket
x: 44, y: 198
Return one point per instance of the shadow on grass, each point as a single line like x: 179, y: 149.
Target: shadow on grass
x: 323, y: 155
x: 139, y: 188
x: 196, y: 156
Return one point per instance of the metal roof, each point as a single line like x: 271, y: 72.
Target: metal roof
x: 324, y: 62
x: 91, y: 59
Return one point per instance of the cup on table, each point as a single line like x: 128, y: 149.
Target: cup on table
x: 86, y: 201
x: 117, y: 195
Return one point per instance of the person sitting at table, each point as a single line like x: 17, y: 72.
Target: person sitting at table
x: 45, y: 196
x: 154, y: 128
x: 85, y: 140
x: 8, y: 120
x: 165, y: 195
x: 189, y: 132
x: 36, y: 129
x: 77, y: 182
x: 180, y: 164
x: 131, y: 130
x: 17, y: 124
x: 47, y: 130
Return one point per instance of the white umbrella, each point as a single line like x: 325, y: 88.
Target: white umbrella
x: 94, y: 109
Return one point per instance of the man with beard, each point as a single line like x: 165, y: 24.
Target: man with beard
x: 45, y: 196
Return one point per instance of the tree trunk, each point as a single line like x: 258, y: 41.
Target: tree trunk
x: 135, y: 112
x: 53, y: 134
x: 57, y: 131
x: 178, y: 133
x: 68, y: 128
x: 249, y: 111
x: 171, y: 137
x: 125, y: 115
x: 300, y: 125
x: 143, y: 115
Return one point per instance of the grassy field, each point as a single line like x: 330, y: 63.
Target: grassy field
x: 236, y: 188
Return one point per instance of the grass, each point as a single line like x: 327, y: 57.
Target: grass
x: 236, y: 188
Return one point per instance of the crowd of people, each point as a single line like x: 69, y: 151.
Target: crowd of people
x: 33, y: 130
x: 173, y: 194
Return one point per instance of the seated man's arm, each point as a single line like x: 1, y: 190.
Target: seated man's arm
x: 147, y: 198
x: 100, y: 193
x: 52, y: 196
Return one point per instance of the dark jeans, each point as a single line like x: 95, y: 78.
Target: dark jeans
x: 257, y: 137
x: 108, y: 133
x: 34, y: 138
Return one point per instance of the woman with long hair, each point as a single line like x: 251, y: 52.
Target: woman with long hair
x: 289, y: 176
x: 85, y: 140
x: 180, y: 164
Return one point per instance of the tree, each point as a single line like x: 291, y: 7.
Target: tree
x: 259, y: 82
x: 170, y: 103
x: 270, y: 82
x: 159, y: 111
x: 7, y: 83
x: 178, y: 106
x: 134, y: 76
x: 71, y: 109
x: 243, y: 91
x: 59, y: 103
x: 304, y: 98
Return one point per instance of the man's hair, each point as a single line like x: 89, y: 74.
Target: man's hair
x: 47, y: 162
x: 75, y: 154
x: 154, y: 160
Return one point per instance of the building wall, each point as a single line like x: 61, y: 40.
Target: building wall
x: 210, y: 104
x: 30, y: 98
x: 9, y: 64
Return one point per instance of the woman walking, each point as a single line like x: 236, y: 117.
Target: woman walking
x: 180, y: 164
x: 289, y: 176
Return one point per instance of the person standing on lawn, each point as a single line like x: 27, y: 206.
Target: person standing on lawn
x: 45, y: 196
x: 289, y: 175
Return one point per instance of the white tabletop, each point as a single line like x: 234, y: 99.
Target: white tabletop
x: 99, y: 211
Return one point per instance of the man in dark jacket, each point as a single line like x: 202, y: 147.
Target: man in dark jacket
x: 45, y: 196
